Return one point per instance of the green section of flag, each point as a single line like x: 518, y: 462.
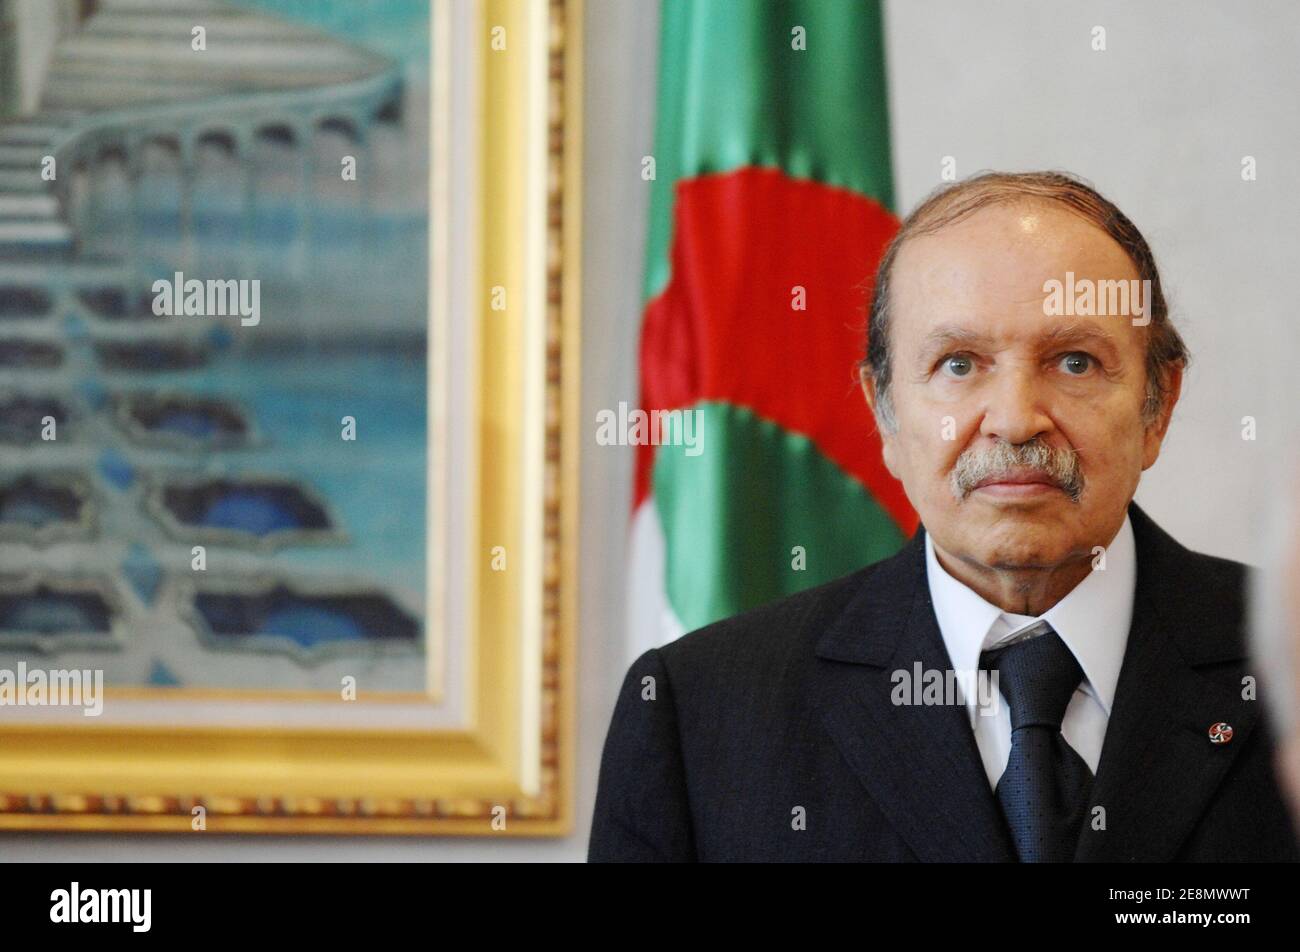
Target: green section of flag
x: 735, y: 91
x: 734, y: 514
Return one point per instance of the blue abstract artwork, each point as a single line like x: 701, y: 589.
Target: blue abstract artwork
x: 213, y: 336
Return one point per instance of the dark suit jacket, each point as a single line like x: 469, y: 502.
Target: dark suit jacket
x: 788, y: 706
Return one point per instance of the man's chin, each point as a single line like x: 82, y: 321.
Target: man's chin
x: 1019, y: 532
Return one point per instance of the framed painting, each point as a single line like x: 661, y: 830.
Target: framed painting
x: 288, y: 372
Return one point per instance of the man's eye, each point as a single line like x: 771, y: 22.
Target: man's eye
x: 1077, y: 363
x: 957, y: 365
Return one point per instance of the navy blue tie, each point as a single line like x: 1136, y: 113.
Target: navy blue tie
x: 1044, y: 790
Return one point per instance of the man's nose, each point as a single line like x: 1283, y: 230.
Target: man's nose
x: 1014, y: 409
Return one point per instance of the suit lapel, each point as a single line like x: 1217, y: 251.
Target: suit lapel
x: 1158, y: 768
x: 918, y: 763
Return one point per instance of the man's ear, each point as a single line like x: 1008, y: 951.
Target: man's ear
x: 868, y: 382
x: 1155, y: 432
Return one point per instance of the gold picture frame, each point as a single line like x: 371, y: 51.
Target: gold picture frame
x: 510, y: 771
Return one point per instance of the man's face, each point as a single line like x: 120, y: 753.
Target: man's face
x: 978, y: 367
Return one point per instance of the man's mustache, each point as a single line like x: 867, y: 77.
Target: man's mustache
x: 1059, y: 466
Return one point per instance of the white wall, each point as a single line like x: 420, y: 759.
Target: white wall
x: 1159, y: 122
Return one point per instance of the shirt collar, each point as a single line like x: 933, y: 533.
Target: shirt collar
x: 1093, y: 619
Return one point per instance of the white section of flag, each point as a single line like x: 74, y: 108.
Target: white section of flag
x: 651, y: 621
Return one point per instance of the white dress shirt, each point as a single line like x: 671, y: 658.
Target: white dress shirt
x: 1093, y: 620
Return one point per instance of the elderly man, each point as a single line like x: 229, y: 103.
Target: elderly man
x: 1019, y: 396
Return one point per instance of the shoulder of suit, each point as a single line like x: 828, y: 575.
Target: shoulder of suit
x: 1205, y: 578
x: 1179, y: 567
x: 1222, y: 571
x: 1199, y: 599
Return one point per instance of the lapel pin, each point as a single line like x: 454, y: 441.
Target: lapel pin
x: 1220, y: 733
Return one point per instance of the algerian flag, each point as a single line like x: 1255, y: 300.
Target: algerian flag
x: 770, y: 210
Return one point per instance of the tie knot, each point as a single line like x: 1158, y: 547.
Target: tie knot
x: 1037, y: 676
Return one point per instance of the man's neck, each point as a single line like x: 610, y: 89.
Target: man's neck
x: 1020, y: 591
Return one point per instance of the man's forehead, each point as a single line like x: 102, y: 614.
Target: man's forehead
x: 1009, y: 246
x: 1008, y: 271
